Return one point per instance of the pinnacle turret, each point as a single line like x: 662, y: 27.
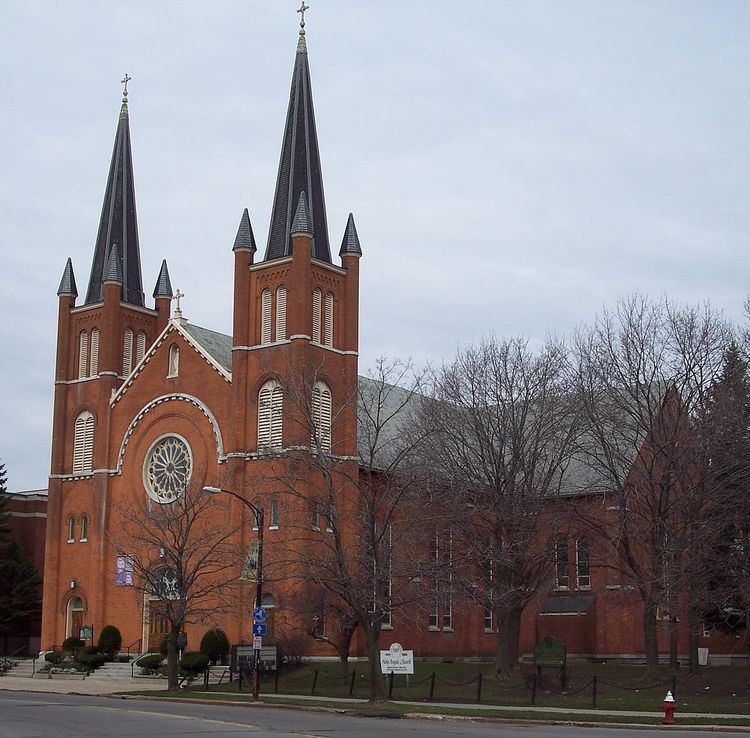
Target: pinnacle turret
x: 301, y: 222
x: 350, y: 242
x: 118, y: 222
x: 113, y: 270
x: 163, y: 286
x: 299, y: 168
x: 68, y: 281
x: 245, y: 238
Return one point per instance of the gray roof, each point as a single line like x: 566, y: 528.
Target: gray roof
x: 245, y: 238
x: 301, y: 222
x: 113, y: 270
x: 217, y: 345
x: 299, y: 169
x: 163, y: 286
x: 350, y: 242
x: 68, y: 281
x: 118, y: 222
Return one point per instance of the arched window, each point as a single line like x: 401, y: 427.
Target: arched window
x: 274, y: 521
x: 83, y: 443
x: 321, y: 417
x: 317, y: 302
x: 140, y: 346
x: 71, y: 529
x: 83, y: 355
x: 265, y: 316
x: 94, y: 352
x: 267, y: 601
x: 84, y: 528
x: 174, y: 360
x: 281, y: 313
x: 328, y: 337
x: 127, y: 352
x: 270, y: 415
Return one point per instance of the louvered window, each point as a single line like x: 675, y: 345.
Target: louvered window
x: 265, y: 316
x: 321, y: 417
x: 127, y: 352
x: 316, y: 306
x: 281, y: 313
x: 83, y: 443
x: 270, y: 415
x: 83, y: 355
x: 328, y: 338
x: 94, y: 352
x: 140, y: 346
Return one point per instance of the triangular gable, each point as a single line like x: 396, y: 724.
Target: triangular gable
x: 172, y: 327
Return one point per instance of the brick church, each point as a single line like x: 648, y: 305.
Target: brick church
x: 147, y: 403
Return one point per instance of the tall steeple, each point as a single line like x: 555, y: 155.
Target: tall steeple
x: 299, y: 168
x: 118, y: 223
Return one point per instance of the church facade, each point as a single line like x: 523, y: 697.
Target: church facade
x: 147, y: 403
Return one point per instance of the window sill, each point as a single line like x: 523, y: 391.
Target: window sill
x: 433, y: 628
x: 84, y: 540
x: 172, y: 376
x: 70, y: 540
x: 489, y: 630
x: 273, y: 527
x: 447, y: 630
x: 386, y: 626
x: 315, y: 527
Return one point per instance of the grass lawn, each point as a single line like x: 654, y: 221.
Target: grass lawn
x: 619, y: 687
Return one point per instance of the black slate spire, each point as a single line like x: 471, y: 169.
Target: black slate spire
x: 163, y: 286
x: 350, y: 242
x: 299, y: 168
x: 245, y: 238
x: 301, y: 222
x: 118, y: 222
x: 113, y: 270
x: 68, y: 281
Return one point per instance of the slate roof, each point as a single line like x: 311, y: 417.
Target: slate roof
x: 113, y: 270
x: 118, y: 222
x: 350, y: 242
x: 163, y: 286
x: 68, y: 281
x: 299, y: 169
x: 244, y: 238
x: 301, y: 222
x: 218, y: 345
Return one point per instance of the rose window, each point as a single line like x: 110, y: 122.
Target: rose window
x: 166, y: 472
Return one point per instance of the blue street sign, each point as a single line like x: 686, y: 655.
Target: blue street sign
x: 260, y: 629
x: 260, y: 615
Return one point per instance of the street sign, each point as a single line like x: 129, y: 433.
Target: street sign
x: 260, y: 615
x: 260, y: 629
x: 257, y: 643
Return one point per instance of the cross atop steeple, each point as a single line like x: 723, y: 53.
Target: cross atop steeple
x: 302, y: 8
x: 177, y: 296
x: 125, y: 81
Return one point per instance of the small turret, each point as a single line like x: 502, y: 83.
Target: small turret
x: 68, y: 281
x: 163, y: 296
x: 301, y: 225
x: 350, y: 242
x: 113, y: 269
x: 245, y: 240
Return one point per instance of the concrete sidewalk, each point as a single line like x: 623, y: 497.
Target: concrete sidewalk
x: 78, y: 686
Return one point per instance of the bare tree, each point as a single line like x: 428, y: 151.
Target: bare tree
x: 643, y: 372
x: 182, y: 556
x: 504, y: 423
x: 361, y: 529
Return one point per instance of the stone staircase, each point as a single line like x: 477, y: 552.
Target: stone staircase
x: 113, y: 672
x: 25, y: 668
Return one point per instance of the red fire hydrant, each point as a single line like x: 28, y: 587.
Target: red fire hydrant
x: 668, y: 705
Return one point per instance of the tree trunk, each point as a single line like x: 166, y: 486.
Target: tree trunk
x: 508, y: 632
x: 673, y: 642
x: 344, y: 644
x: 650, y: 640
x: 694, y: 628
x: 377, y: 692
x: 172, y: 660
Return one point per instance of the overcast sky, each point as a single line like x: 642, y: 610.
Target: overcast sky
x: 512, y: 166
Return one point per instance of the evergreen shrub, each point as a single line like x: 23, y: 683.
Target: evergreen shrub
x: 110, y: 641
x: 193, y: 662
x: 215, y: 644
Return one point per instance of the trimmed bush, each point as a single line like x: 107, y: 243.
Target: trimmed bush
x: 91, y: 650
x: 152, y: 661
x: 54, y: 657
x: 215, y: 644
x: 92, y: 660
x: 72, y: 645
x: 110, y: 641
x: 194, y: 662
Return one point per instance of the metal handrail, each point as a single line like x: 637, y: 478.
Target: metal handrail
x: 133, y: 644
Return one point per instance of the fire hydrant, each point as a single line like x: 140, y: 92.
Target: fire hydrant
x: 668, y: 705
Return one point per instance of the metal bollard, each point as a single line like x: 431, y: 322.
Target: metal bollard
x: 390, y: 685
x: 479, y: 687
x: 351, y: 683
x: 315, y: 681
x: 593, y: 692
x: 432, y: 686
x: 533, y: 689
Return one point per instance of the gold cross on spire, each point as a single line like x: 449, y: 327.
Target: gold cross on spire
x: 301, y: 10
x: 125, y: 81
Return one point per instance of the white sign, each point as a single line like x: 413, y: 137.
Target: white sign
x: 396, y: 661
x: 257, y: 643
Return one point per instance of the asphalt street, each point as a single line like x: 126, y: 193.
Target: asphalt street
x: 27, y: 715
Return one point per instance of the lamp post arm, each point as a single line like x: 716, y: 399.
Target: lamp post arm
x: 257, y: 513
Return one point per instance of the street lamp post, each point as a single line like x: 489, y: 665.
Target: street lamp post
x: 258, y: 515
